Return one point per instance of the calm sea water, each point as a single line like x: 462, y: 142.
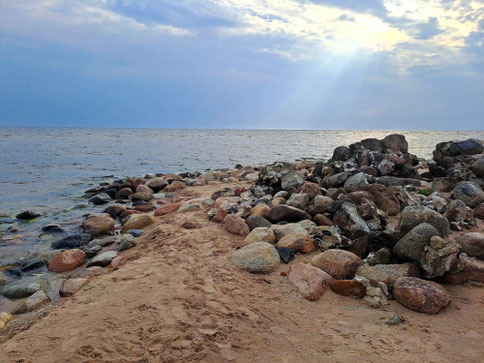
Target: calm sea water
x: 47, y: 167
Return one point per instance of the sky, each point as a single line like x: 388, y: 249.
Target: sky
x: 243, y: 64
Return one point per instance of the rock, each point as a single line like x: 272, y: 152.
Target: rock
x: 257, y: 221
x: 354, y: 182
x: 322, y: 220
x: 27, y: 215
x: 396, y: 142
x: 127, y: 241
x: 257, y: 257
x: 175, y: 186
x: 298, y: 242
x: 138, y: 221
x: 98, y: 225
x: 67, y: 261
x: 456, y: 211
x: 335, y: 181
x: 440, y: 257
x: 444, y: 184
x: 311, y: 282
x: 348, y: 288
x: 412, y: 216
x: 115, y: 210
x: 478, y: 167
x: 260, y: 210
x: 144, y: 196
x: 293, y: 178
x: 373, y: 274
x: 419, y: 295
x: 341, y: 153
x: 311, y: 189
x: 469, y: 192
x: 52, y: 228
x: 320, y: 205
x: 260, y: 234
x: 20, y: 289
x: 189, y: 207
x: 382, y: 256
x: 135, y: 232
x: 298, y: 200
x: 395, y: 271
x: 466, y: 147
x: 467, y: 269
x: 338, y: 263
x: 103, y: 259
x: 236, y: 225
x: 4, y: 319
x: 412, y: 246
x: 220, y: 215
x: 34, y: 301
x: 156, y: 184
x: 167, y: 209
x: 347, y: 218
x: 394, y: 320
x: 252, y: 177
x: 280, y: 230
x: 285, y: 254
x: 143, y: 189
x: 479, y: 211
x: 287, y: 213
x: 91, y: 249
x: 71, y: 286
x: 101, y: 198
x: 124, y: 193
x: 472, y: 244
x: 385, y: 198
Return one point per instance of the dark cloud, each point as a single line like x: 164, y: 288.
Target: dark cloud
x: 427, y: 30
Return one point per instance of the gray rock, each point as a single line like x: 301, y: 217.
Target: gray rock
x: 257, y: 257
x: 135, y: 232
x: 320, y: 205
x: 298, y: 200
x: 456, y: 211
x: 257, y: 221
x: 293, y: 178
x: 281, y: 230
x: 73, y: 241
x: 101, y: 198
x: 478, y: 167
x: 127, y: 241
x: 412, y: 246
x: 469, y: 192
x: 103, y: 259
x: 91, y: 249
x: 473, y: 244
x: 355, y: 181
x: 348, y: 219
x: 20, y: 289
x: 34, y: 301
x: 287, y: 213
x: 156, y: 184
x: 341, y: 153
x: 412, y: 216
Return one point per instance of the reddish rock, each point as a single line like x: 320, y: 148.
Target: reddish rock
x: 261, y: 210
x: 144, y: 208
x: 311, y: 282
x: 472, y: 244
x: 322, y: 220
x: 143, y: 189
x: 67, y: 261
x: 167, y: 209
x: 118, y: 261
x: 134, y: 182
x: 479, y: 211
x: 138, y: 221
x: 236, y: 225
x: 298, y: 242
x: 128, y: 213
x: 311, y: 189
x: 468, y: 269
x: 385, y: 199
x: 220, y: 216
x: 71, y: 286
x: 420, y: 295
x: 349, y: 288
x: 98, y: 225
x: 338, y: 263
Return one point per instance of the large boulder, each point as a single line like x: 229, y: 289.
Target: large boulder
x: 355, y: 182
x: 236, y: 225
x: 341, y: 153
x: 67, y: 261
x: 419, y: 295
x: 138, y: 221
x: 98, y: 225
x: 469, y: 192
x: 472, y: 244
x: 465, y: 147
x: 396, y: 142
x: 156, y: 184
x: 412, y: 246
x: 287, y: 213
x: 257, y: 257
x: 311, y: 282
x: 348, y: 219
x: 298, y: 242
x: 338, y: 263
x: 101, y: 198
x: 384, y: 198
x: 412, y: 216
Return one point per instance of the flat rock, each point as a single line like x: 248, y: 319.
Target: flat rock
x: 310, y: 281
x: 103, y: 259
x: 20, y: 289
x: 33, y: 302
x: 420, y: 295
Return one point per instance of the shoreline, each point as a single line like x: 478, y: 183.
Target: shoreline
x: 357, y: 196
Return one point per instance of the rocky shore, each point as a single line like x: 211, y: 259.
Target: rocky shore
x: 374, y: 223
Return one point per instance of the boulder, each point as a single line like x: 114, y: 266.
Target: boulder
x: 467, y: 269
x: 293, y: 178
x: 115, y: 210
x: 27, y: 215
x: 341, y: 153
x: 472, y: 244
x: 101, y: 198
x: 419, y: 295
x: 124, y: 193
x: 311, y: 189
x: 138, y: 221
x: 349, y: 288
x: 261, y: 210
x: 20, y: 289
x: 98, y: 225
x: 412, y: 246
x: 412, y: 216
x: 384, y: 198
x: 373, y: 274
x: 126, y: 242
x: 73, y: 241
x: 456, y: 211
x: 144, y: 196
x: 469, y: 192
x: 260, y: 234
x: 257, y: 221
x: 479, y: 211
x: 320, y: 205
x: 395, y: 271
x: 103, y: 259
x: 285, y: 254
x: 335, y: 181
x: 310, y: 281
x: 167, y: 209
x: 348, y: 219
x: 67, y: 261
x: 33, y: 302
x: 298, y: 200
x: 236, y: 225
x: 355, y: 182
x: 287, y: 213
x: 280, y: 230
x: 297, y: 242
x: 175, y: 186
x: 257, y: 257
x: 156, y: 184
x: 465, y: 147
x: 338, y: 263
x: 396, y: 142
x: 71, y: 286
x: 478, y: 167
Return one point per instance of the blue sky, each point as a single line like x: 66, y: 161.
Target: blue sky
x: 277, y: 64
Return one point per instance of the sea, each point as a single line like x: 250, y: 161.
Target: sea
x: 48, y: 169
